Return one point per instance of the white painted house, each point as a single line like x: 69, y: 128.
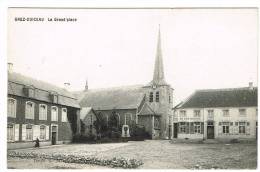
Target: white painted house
x: 218, y: 114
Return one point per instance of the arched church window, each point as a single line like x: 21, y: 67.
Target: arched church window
x: 151, y: 97
x: 128, y: 118
x: 157, y: 96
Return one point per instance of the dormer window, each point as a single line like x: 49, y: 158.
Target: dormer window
x: 54, y: 97
x: 29, y: 91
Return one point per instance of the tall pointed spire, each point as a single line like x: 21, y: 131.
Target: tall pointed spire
x: 158, y: 75
x: 86, y: 85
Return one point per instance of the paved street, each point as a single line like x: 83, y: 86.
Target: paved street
x: 156, y: 154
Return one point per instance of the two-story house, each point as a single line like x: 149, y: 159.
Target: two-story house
x: 218, y: 113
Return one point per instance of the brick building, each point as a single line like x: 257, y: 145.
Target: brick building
x: 37, y: 109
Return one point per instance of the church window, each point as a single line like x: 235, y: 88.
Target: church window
x: 157, y: 97
x: 151, y: 97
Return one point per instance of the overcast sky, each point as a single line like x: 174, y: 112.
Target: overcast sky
x: 202, y: 48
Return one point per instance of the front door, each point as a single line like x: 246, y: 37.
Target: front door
x: 175, y: 132
x: 53, y: 138
x: 210, y: 132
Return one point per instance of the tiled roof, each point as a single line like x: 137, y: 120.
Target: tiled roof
x: 127, y: 97
x: 233, y: 97
x: 16, y: 83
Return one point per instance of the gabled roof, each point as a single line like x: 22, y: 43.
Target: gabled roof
x: 127, y: 97
x: 232, y: 97
x: 85, y: 111
x: 146, y: 110
x: 16, y: 83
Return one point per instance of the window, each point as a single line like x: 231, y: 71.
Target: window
x: 226, y: 112
x: 29, y: 132
x: 242, y: 128
x: 29, y: 110
x: 42, y: 112
x: 182, y: 113
x: 42, y: 132
x: 157, y: 96
x: 225, y: 127
x: 242, y: 112
x: 197, y: 127
x: 54, y: 113
x: 128, y: 118
x: 10, y: 132
x: 151, y: 97
x: 11, y: 112
x: 182, y: 127
x: 64, y: 117
x: 169, y: 99
x: 210, y: 113
x: 197, y: 113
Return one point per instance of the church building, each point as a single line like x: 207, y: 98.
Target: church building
x: 148, y: 105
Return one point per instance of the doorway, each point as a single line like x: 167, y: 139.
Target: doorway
x: 175, y: 128
x: 54, y: 134
x: 210, y: 132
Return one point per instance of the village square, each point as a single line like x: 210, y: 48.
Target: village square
x: 133, y: 126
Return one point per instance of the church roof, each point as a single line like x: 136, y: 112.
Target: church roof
x: 17, y: 82
x: 85, y: 111
x: 127, y: 97
x: 232, y: 97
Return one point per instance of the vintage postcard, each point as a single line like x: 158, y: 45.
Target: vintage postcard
x: 132, y: 88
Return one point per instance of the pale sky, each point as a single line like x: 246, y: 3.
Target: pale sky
x: 202, y: 48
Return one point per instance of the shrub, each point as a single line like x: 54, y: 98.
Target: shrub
x: 80, y: 159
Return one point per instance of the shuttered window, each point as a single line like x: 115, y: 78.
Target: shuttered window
x: 10, y: 132
x: 225, y: 112
x: 54, y: 113
x: 182, y: 127
x: 42, y: 112
x: 196, y: 113
x: 11, y: 107
x: 64, y: 115
x: 242, y: 112
x: 197, y: 127
x: 42, y: 132
x: 242, y: 128
x: 29, y: 110
x: 29, y: 132
x: 182, y: 113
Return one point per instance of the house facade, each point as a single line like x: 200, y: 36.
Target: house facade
x: 149, y: 105
x: 218, y: 114
x: 36, y: 109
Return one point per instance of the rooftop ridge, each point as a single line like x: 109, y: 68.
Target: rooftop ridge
x: 40, y: 81
x: 224, y: 89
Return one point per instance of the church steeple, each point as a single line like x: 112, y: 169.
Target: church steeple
x: 158, y: 75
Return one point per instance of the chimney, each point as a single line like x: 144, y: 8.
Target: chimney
x: 67, y: 86
x: 10, y: 67
x: 86, y: 85
x: 251, y: 87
